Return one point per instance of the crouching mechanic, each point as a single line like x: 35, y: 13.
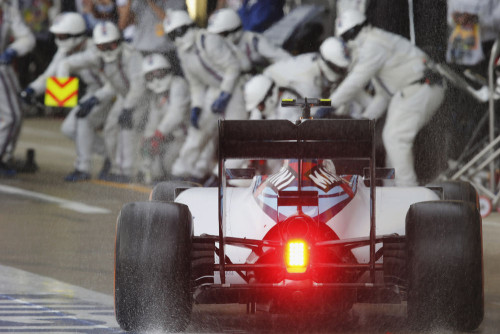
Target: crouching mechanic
x: 213, y: 74
x: 17, y: 40
x: 254, y: 47
x: 120, y: 65
x: 69, y: 31
x: 399, y: 68
x: 168, y: 118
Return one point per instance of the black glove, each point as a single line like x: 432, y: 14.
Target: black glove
x: 28, y: 96
x: 86, y: 107
x: 125, y: 120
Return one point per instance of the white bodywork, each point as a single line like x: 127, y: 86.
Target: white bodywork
x: 246, y: 219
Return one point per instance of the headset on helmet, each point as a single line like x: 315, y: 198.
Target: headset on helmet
x: 223, y: 21
x: 256, y: 90
x: 348, y: 24
x: 69, y: 30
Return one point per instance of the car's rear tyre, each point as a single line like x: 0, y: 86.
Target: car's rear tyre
x: 152, y: 266
x: 165, y: 191
x: 458, y: 190
x: 445, y: 269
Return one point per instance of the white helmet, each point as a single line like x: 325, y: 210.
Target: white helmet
x: 157, y: 72
x: 348, y: 20
x: 255, y: 91
x: 69, y: 30
x: 224, y: 20
x: 107, y: 38
x: 176, y: 19
x: 178, y: 27
x: 333, y: 60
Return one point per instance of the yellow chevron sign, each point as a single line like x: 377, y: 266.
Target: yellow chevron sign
x: 61, y: 92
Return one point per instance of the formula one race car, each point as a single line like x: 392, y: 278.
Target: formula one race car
x: 317, y: 236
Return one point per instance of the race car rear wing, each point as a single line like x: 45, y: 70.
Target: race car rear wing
x: 343, y: 139
x: 310, y: 139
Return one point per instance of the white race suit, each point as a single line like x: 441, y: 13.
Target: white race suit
x: 210, y: 68
x: 399, y: 68
x: 84, y: 131
x: 125, y: 80
x: 168, y: 113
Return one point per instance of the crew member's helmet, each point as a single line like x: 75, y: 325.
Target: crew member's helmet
x: 227, y: 23
x: 349, y: 24
x: 69, y: 30
x: 261, y: 96
x: 157, y: 72
x: 333, y: 60
x: 108, y: 40
x: 177, y: 26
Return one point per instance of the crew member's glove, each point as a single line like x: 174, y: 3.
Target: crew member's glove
x: 325, y: 112
x: 8, y: 56
x: 219, y: 105
x: 125, y: 119
x: 86, y: 107
x: 195, y: 115
x: 28, y: 96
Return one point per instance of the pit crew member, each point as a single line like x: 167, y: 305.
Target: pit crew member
x: 120, y: 64
x: 399, y: 68
x: 168, y: 118
x: 253, y: 47
x: 17, y: 40
x: 69, y: 31
x: 213, y: 73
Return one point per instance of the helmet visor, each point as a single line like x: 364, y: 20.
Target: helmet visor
x: 178, y: 32
x: 335, y: 68
x: 110, y: 46
x: 157, y: 74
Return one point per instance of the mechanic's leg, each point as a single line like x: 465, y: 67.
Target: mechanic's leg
x: 97, y: 120
x: 191, y: 152
x: 68, y: 126
x: 111, y: 130
x: 84, y: 142
x: 171, y: 153
x: 124, y: 159
x: 10, y: 113
x: 409, y: 110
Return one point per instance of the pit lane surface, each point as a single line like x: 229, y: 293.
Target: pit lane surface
x: 56, y: 257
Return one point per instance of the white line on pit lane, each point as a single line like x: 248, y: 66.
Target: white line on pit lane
x: 63, y: 203
x: 31, y: 303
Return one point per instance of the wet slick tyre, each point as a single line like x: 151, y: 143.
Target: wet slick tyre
x: 458, y: 190
x: 445, y: 268
x: 152, y: 266
x: 165, y: 191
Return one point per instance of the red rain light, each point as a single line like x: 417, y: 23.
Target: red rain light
x: 296, y: 256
